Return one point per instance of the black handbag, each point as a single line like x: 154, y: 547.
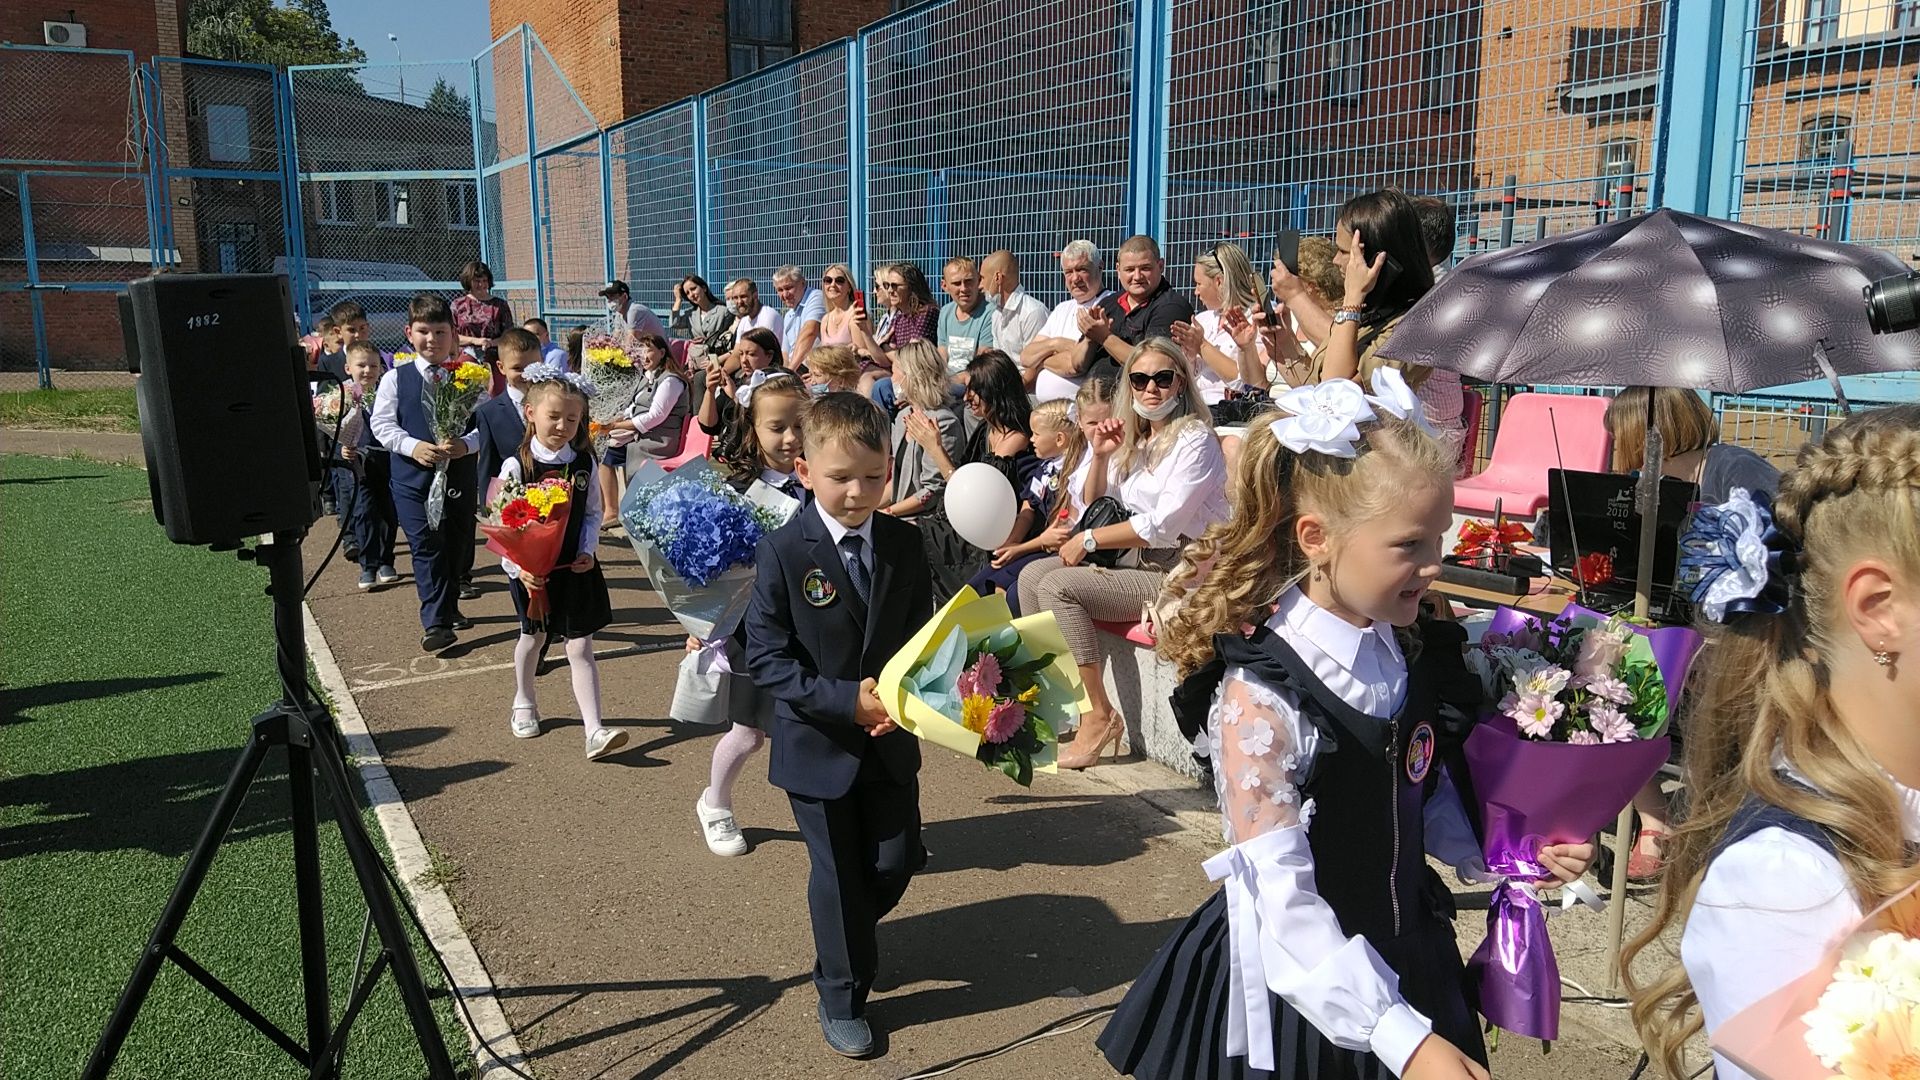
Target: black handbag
x: 1100, y: 513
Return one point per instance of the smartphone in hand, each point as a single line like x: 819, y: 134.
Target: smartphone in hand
x: 1286, y: 250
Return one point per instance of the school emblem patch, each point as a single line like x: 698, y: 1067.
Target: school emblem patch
x: 819, y: 591
x: 1420, y: 753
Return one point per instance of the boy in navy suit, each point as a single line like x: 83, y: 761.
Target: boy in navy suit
x: 401, y: 424
x: 837, y: 592
x: 502, y: 421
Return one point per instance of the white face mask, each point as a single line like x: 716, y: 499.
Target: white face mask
x: 739, y: 309
x: 1160, y: 411
x: 613, y: 307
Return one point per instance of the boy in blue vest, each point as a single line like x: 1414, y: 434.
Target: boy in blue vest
x: 502, y: 421
x: 401, y: 423
x: 837, y: 591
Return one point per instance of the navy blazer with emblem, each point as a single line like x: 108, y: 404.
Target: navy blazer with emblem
x: 811, y: 655
x: 502, y: 426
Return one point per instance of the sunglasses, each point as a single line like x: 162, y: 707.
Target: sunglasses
x: 886, y: 284
x: 1162, y: 379
x: 834, y: 279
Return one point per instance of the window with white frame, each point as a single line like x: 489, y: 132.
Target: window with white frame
x: 394, y: 212
x: 1440, y: 60
x: 333, y: 203
x: 759, y: 34
x: 1267, y: 47
x: 1620, y: 158
x: 463, y: 204
x: 1820, y: 137
x: 1822, y: 21
x: 1346, y: 37
x: 227, y: 134
x: 1906, y: 15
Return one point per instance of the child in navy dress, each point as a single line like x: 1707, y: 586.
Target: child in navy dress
x: 366, y: 504
x: 768, y: 445
x: 1330, y: 954
x: 556, y: 445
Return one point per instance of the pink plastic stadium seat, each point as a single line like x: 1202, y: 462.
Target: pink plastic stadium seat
x: 696, y: 444
x: 1523, y: 451
x: 678, y: 347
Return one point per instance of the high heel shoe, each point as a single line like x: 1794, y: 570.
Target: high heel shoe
x: 1090, y: 745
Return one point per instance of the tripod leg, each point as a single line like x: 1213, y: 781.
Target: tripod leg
x: 381, y: 905
x: 175, y: 913
x: 310, y: 909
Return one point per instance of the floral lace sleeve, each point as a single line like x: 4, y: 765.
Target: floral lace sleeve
x: 1260, y: 749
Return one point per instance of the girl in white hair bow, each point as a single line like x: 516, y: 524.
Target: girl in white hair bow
x: 1330, y: 952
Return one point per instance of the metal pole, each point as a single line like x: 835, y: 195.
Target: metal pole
x: 533, y: 173
x: 702, y: 206
x: 1647, y: 499
x: 857, y: 253
x: 1509, y: 204
x: 480, y: 160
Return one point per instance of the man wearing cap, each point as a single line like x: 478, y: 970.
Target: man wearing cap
x: 625, y: 313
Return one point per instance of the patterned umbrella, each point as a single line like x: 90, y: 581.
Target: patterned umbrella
x: 1665, y: 299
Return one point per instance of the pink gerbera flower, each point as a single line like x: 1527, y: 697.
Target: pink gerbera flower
x: 1005, y: 721
x: 982, y: 678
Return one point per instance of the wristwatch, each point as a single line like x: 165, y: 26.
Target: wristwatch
x: 1347, y: 314
x: 1088, y: 542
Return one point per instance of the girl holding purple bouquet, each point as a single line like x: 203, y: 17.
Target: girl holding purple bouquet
x: 763, y: 445
x: 1330, y: 953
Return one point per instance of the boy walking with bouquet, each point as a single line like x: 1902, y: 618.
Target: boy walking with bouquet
x: 412, y: 410
x: 838, y: 590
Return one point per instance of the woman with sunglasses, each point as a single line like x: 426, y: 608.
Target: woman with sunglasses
x: 1159, y: 459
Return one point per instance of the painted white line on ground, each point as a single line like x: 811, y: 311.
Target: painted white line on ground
x: 449, y: 938
x: 673, y: 645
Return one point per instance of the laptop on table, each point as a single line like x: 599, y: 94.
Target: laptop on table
x: 1589, y: 512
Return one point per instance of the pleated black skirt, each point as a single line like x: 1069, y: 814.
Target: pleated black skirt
x: 577, y: 604
x: 1172, y: 1025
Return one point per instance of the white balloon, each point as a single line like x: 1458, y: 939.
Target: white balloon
x: 981, y: 505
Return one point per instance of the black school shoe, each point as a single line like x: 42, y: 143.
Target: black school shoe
x: 469, y: 591
x: 436, y: 638
x: 461, y: 622
x: 848, y: 1038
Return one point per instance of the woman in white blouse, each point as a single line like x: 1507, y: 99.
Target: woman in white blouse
x: 1224, y: 281
x: 1159, y: 458
x: 1803, y: 754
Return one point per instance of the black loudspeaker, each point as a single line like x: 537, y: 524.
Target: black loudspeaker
x: 226, y: 410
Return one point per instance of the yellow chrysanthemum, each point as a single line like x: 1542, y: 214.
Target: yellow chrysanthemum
x: 608, y: 356
x: 471, y: 376
x: 545, y: 497
x: 1030, y: 695
x: 974, y: 710
x: 1891, y: 1051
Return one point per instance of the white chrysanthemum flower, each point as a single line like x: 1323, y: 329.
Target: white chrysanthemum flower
x: 1849, y: 1008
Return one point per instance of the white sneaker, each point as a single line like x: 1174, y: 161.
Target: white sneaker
x: 721, y: 831
x: 605, y: 741
x: 526, y: 722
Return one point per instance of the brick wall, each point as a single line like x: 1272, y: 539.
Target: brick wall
x: 626, y: 57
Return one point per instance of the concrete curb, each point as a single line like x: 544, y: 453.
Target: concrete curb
x: 411, y: 860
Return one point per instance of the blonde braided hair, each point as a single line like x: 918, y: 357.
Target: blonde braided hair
x: 1853, y: 495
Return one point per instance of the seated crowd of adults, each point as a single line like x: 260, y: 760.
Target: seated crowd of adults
x: 1136, y: 466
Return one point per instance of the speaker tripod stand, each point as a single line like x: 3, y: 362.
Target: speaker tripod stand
x: 313, y: 744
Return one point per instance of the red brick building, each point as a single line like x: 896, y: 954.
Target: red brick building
x: 626, y: 57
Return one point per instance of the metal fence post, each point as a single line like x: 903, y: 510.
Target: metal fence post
x: 606, y: 203
x: 533, y: 171
x: 42, y: 359
x: 702, y: 205
x: 1146, y: 168
x: 295, y: 210
x: 479, y: 163
x: 857, y: 254
x: 1704, y: 79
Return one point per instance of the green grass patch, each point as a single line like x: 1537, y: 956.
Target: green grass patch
x: 84, y: 410
x: 131, y: 668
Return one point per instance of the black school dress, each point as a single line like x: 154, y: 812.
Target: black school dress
x: 577, y: 603
x: 1367, y: 840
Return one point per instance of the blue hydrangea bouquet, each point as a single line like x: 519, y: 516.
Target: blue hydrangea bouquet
x: 696, y: 536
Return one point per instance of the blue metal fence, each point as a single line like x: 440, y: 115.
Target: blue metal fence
x: 959, y: 127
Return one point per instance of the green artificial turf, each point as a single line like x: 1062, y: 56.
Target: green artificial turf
x: 88, y: 410
x: 131, y: 668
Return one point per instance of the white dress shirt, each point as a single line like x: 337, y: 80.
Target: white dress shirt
x: 1174, y: 499
x: 666, y: 394
x: 386, y: 414
x: 1284, y: 934
x: 839, y: 532
x: 780, y: 481
x: 767, y: 318
x: 1213, y: 388
x: 1767, y: 911
x: 1016, y: 321
x: 589, y: 502
x: 1063, y: 323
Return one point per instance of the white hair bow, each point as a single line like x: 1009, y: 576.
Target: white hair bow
x: 542, y: 371
x: 743, y: 394
x: 1393, y: 396
x: 1324, y: 418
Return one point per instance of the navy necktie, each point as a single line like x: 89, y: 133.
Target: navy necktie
x: 851, y: 546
